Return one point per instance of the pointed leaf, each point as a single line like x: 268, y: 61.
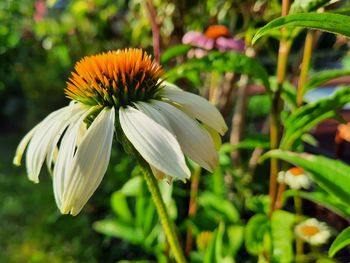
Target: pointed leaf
x: 174, y: 51
x: 114, y: 228
x: 302, y: 6
x: 120, y: 206
x: 321, y: 77
x: 308, y: 116
x: 330, y: 22
x: 342, y: 240
x: 324, y: 199
x: 214, y: 250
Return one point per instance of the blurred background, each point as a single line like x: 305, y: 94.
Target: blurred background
x: 40, y: 41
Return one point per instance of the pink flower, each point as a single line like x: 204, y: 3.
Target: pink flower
x: 215, y: 37
x: 226, y: 44
x: 198, y: 40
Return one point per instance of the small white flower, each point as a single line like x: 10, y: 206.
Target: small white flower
x: 295, y: 178
x: 313, y: 231
x: 119, y: 93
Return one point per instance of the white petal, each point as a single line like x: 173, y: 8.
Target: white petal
x: 197, y: 107
x: 65, y: 158
x: 154, y: 142
x: 42, y: 138
x: 89, y: 163
x: 154, y: 114
x: 194, y: 140
x: 23, y: 145
x: 77, y: 110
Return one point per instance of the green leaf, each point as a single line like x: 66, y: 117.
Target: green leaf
x: 174, y: 51
x: 342, y: 240
x: 120, y: 206
x: 321, y: 77
x: 221, y: 208
x: 308, y: 116
x: 221, y: 62
x: 214, y: 250
x: 330, y: 22
x: 257, y: 226
x: 332, y: 175
x: 302, y: 6
x: 324, y: 199
x: 282, y: 236
x: 114, y: 228
x: 249, y: 144
x: 133, y: 187
x: 235, y: 234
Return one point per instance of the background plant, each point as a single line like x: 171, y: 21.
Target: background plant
x: 227, y: 216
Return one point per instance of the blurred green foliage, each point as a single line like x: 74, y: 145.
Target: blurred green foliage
x: 40, y: 41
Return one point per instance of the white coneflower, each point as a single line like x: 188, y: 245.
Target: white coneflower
x: 119, y: 93
x: 295, y: 178
x: 313, y: 231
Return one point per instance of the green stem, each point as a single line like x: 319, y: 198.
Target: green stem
x: 213, y: 89
x: 192, y: 210
x: 305, y: 66
x: 168, y: 226
x: 275, y: 124
x: 298, y: 204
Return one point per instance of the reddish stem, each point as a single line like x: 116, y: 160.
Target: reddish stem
x: 155, y: 29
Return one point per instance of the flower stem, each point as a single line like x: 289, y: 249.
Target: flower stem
x: 283, y: 53
x: 168, y: 226
x: 305, y: 66
x: 299, y: 244
x: 192, y: 209
x: 155, y: 29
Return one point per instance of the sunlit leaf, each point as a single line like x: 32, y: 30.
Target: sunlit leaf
x: 332, y: 175
x: 308, y: 116
x: 302, y: 6
x: 115, y: 228
x: 214, y: 250
x: 321, y: 77
x: 330, y: 22
x: 342, y: 240
x: 282, y: 236
x: 120, y: 206
x: 133, y: 186
x: 235, y: 234
x: 174, y: 51
x: 255, y: 231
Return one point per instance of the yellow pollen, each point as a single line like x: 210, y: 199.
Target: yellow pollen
x: 296, y: 171
x: 310, y: 230
x: 115, y: 78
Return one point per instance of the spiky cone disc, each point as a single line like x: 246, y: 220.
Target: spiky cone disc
x: 115, y: 79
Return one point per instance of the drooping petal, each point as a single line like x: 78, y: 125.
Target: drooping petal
x: 41, y: 137
x: 61, y: 171
x: 77, y: 111
x: 89, y: 163
x: 154, y: 114
x: 194, y: 140
x: 197, y: 107
x: 154, y: 142
x: 23, y: 145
